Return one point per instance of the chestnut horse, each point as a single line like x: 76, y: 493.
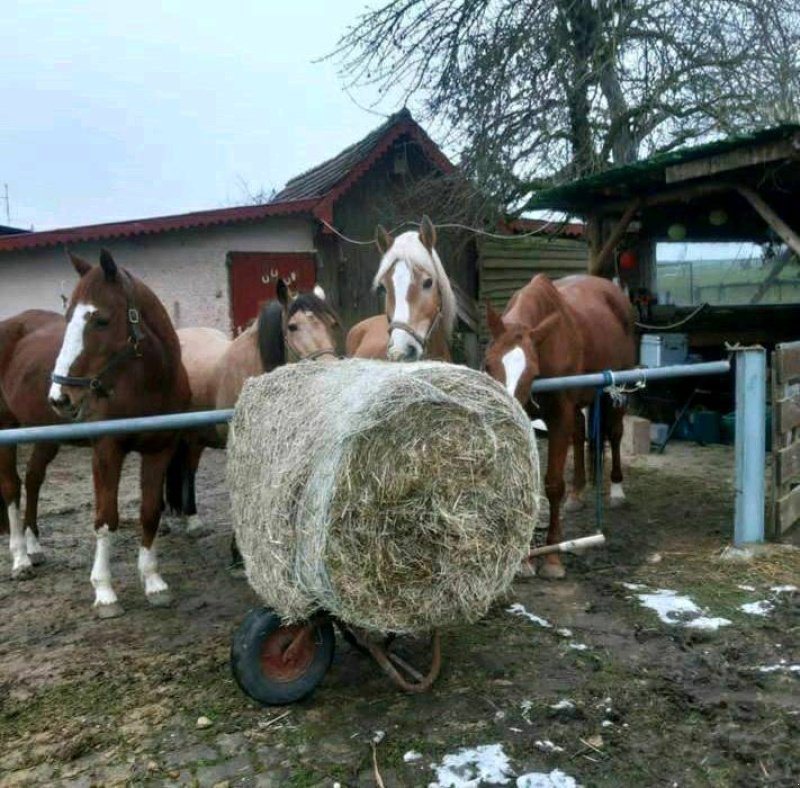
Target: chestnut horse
x: 29, y: 344
x: 120, y: 358
x: 576, y: 325
x: 420, y: 304
x: 293, y: 326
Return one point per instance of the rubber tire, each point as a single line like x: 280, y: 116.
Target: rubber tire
x: 259, y: 624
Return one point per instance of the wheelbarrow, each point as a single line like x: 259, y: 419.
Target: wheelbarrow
x: 277, y: 664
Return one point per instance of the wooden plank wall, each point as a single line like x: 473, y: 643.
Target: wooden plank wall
x: 507, y: 265
x: 785, y: 437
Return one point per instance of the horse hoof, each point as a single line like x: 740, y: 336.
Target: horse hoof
x: 552, y: 571
x: 573, y: 504
x: 197, y: 528
x: 112, y: 610
x: 24, y: 572
x: 160, y: 598
x: 527, y: 568
x: 37, y: 559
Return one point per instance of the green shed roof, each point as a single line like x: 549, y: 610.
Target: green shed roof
x: 644, y: 176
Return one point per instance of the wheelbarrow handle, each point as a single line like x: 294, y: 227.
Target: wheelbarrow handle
x: 570, y: 546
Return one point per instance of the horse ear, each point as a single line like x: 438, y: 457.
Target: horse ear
x: 282, y: 293
x: 494, y: 321
x: 79, y: 264
x: 108, y: 265
x: 427, y: 233
x: 545, y: 328
x: 319, y: 292
x: 383, y: 239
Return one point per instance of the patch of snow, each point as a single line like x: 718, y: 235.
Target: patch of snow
x: 519, y: 610
x: 379, y: 737
x: 606, y: 724
x: 555, y: 779
x: 746, y: 588
x: 563, y: 704
x: 564, y: 632
x: 783, y: 589
x: 469, y: 768
x: 781, y: 667
x: 634, y: 586
x: 673, y: 608
x: 578, y: 646
x: 412, y: 756
x: 547, y: 746
x: 760, y: 608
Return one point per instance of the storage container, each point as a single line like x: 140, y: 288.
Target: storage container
x: 663, y: 350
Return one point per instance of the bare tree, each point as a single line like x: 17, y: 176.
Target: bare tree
x: 540, y: 91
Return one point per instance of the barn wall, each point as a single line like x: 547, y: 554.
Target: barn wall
x: 186, y: 269
x: 508, y: 265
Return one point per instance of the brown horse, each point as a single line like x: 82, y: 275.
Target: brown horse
x: 576, y: 325
x: 120, y: 358
x: 420, y: 304
x: 301, y: 327
x: 29, y: 344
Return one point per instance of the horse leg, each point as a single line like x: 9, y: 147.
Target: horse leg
x: 43, y: 454
x: 21, y: 567
x: 194, y: 526
x: 574, y: 500
x: 154, y: 468
x: 107, y: 462
x: 615, y: 421
x: 559, y: 431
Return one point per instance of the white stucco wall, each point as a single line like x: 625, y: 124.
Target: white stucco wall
x: 185, y: 268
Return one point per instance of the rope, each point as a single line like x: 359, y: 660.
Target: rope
x: 671, y: 326
x: 452, y: 225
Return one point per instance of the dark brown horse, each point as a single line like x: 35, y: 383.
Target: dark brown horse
x: 29, y: 344
x: 120, y: 358
x: 576, y: 325
x: 420, y: 304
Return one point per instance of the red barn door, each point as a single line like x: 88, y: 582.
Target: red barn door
x: 253, y: 276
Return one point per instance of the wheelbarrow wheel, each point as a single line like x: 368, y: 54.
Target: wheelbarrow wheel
x: 276, y: 664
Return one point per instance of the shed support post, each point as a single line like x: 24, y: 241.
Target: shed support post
x: 751, y: 392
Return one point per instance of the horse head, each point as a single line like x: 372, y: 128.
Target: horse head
x: 512, y: 355
x: 419, y: 298
x: 296, y: 324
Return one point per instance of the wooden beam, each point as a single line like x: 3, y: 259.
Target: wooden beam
x: 593, y: 238
x: 734, y: 160
x: 684, y: 194
x: 786, y: 233
x: 787, y: 362
x: 598, y: 261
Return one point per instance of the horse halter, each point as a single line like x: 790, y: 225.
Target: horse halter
x: 422, y: 341
x: 130, y: 351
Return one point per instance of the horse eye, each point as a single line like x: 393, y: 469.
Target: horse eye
x: 292, y: 327
x: 427, y: 284
x: 102, y: 322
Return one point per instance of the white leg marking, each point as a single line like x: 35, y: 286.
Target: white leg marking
x: 195, y: 526
x: 101, y: 570
x: 573, y: 502
x: 514, y: 366
x: 35, y: 551
x: 148, y: 571
x: 72, y: 345
x: 20, y: 563
x: 617, y: 494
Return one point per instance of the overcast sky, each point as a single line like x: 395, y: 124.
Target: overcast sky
x: 120, y: 111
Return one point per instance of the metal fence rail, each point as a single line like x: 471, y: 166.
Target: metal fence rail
x: 750, y: 424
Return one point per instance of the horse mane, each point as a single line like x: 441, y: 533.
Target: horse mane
x: 155, y: 314
x: 408, y: 246
x: 271, y: 345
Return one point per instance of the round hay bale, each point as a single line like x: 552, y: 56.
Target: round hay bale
x: 398, y: 497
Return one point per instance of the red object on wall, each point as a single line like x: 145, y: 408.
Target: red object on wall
x: 253, y: 278
x: 627, y: 260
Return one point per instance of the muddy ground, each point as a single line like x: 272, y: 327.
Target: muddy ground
x: 623, y: 699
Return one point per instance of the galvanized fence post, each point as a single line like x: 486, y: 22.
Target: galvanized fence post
x: 751, y: 393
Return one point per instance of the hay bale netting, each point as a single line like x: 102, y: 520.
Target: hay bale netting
x: 398, y: 497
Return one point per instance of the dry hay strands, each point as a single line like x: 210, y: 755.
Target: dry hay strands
x: 398, y: 497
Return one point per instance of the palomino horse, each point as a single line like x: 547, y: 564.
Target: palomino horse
x: 29, y: 344
x: 420, y: 304
x: 120, y: 358
x: 301, y: 327
x: 576, y: 325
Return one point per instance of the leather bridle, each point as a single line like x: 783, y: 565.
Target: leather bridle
x: 132, y: 349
